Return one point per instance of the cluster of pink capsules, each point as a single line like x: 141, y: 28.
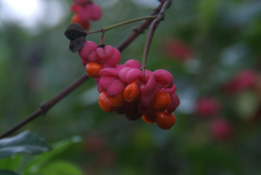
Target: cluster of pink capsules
x: 85, y: 11
x: 126, y: 89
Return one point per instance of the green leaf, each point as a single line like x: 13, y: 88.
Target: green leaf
x: 7, y: 172
x: 25, y: 142
x: 11, y: 163
x: 61, y: 167
x: 44, y: 160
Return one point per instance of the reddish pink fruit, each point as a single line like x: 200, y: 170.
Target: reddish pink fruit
x: 133, y: 64
x: 221, y: 129
x: 76, y: 8
x: 178, y: 49
x: 95, y: 12
x: 175, y: 102
x: 87, y: 48
x: 85, y: 11
x: 244, y: 80
x: 165, y: 120
x: 163, y: 78
x: 107, y: 56
x: 128, y: 90
x: 207, y: 107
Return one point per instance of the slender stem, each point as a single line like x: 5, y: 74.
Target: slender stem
x: 137, y: 31
x: 128, y: 22
x: 91, y: 32
x: 152, y: 29
x: 48, y: 105
x: 105, y: 29
x: 102, y: 37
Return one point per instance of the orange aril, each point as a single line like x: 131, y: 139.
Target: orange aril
x: 76, y: 19
x: 105, y: 103
x: 161, y: 101
x: 131, y: 92
x: 85, y: 25
x: 93, y: 69
x: 165, y: 120
x: 149, y: 118
x: 117, y: 101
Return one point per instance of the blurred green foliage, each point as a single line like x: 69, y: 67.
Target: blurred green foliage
x: 224, y: 36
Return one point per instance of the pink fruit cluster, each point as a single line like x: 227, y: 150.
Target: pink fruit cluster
x: 210, y: 108
x: 243, y: 80
x: 126, y: 89
x: 221, y: 129
x: 85, y: 11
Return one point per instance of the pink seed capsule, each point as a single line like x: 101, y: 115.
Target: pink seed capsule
x: 163, y: 78
x: 95, y: 11
x: 87, y: 48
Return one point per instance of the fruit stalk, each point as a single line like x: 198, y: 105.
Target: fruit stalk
x: 152, y: 29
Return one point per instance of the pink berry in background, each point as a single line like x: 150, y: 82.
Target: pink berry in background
x: 85, y: 11
x: 221, y: 129
x: 177, y: 49
x: 245, y: 79
x: 76, y: 8
x: 95, y: 11
x: 89, y: 11
x: 230, y: 87
x: 207, y: 107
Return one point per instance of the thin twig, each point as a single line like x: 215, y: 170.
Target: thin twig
x: 105, y: 29
x: 152, y: 29
x: 48, y: 105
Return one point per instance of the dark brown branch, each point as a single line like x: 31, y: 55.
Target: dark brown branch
x: 46, y: 106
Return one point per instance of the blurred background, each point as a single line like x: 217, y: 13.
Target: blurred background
x: 212, y: 48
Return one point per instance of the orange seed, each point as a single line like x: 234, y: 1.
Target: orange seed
x: 93, y: 69
x: 161, y: 101
x: 105, y: 103
x: 165, y: 120
x: 149, y: 118
x: 117, y: 101
x: 131, y: 92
